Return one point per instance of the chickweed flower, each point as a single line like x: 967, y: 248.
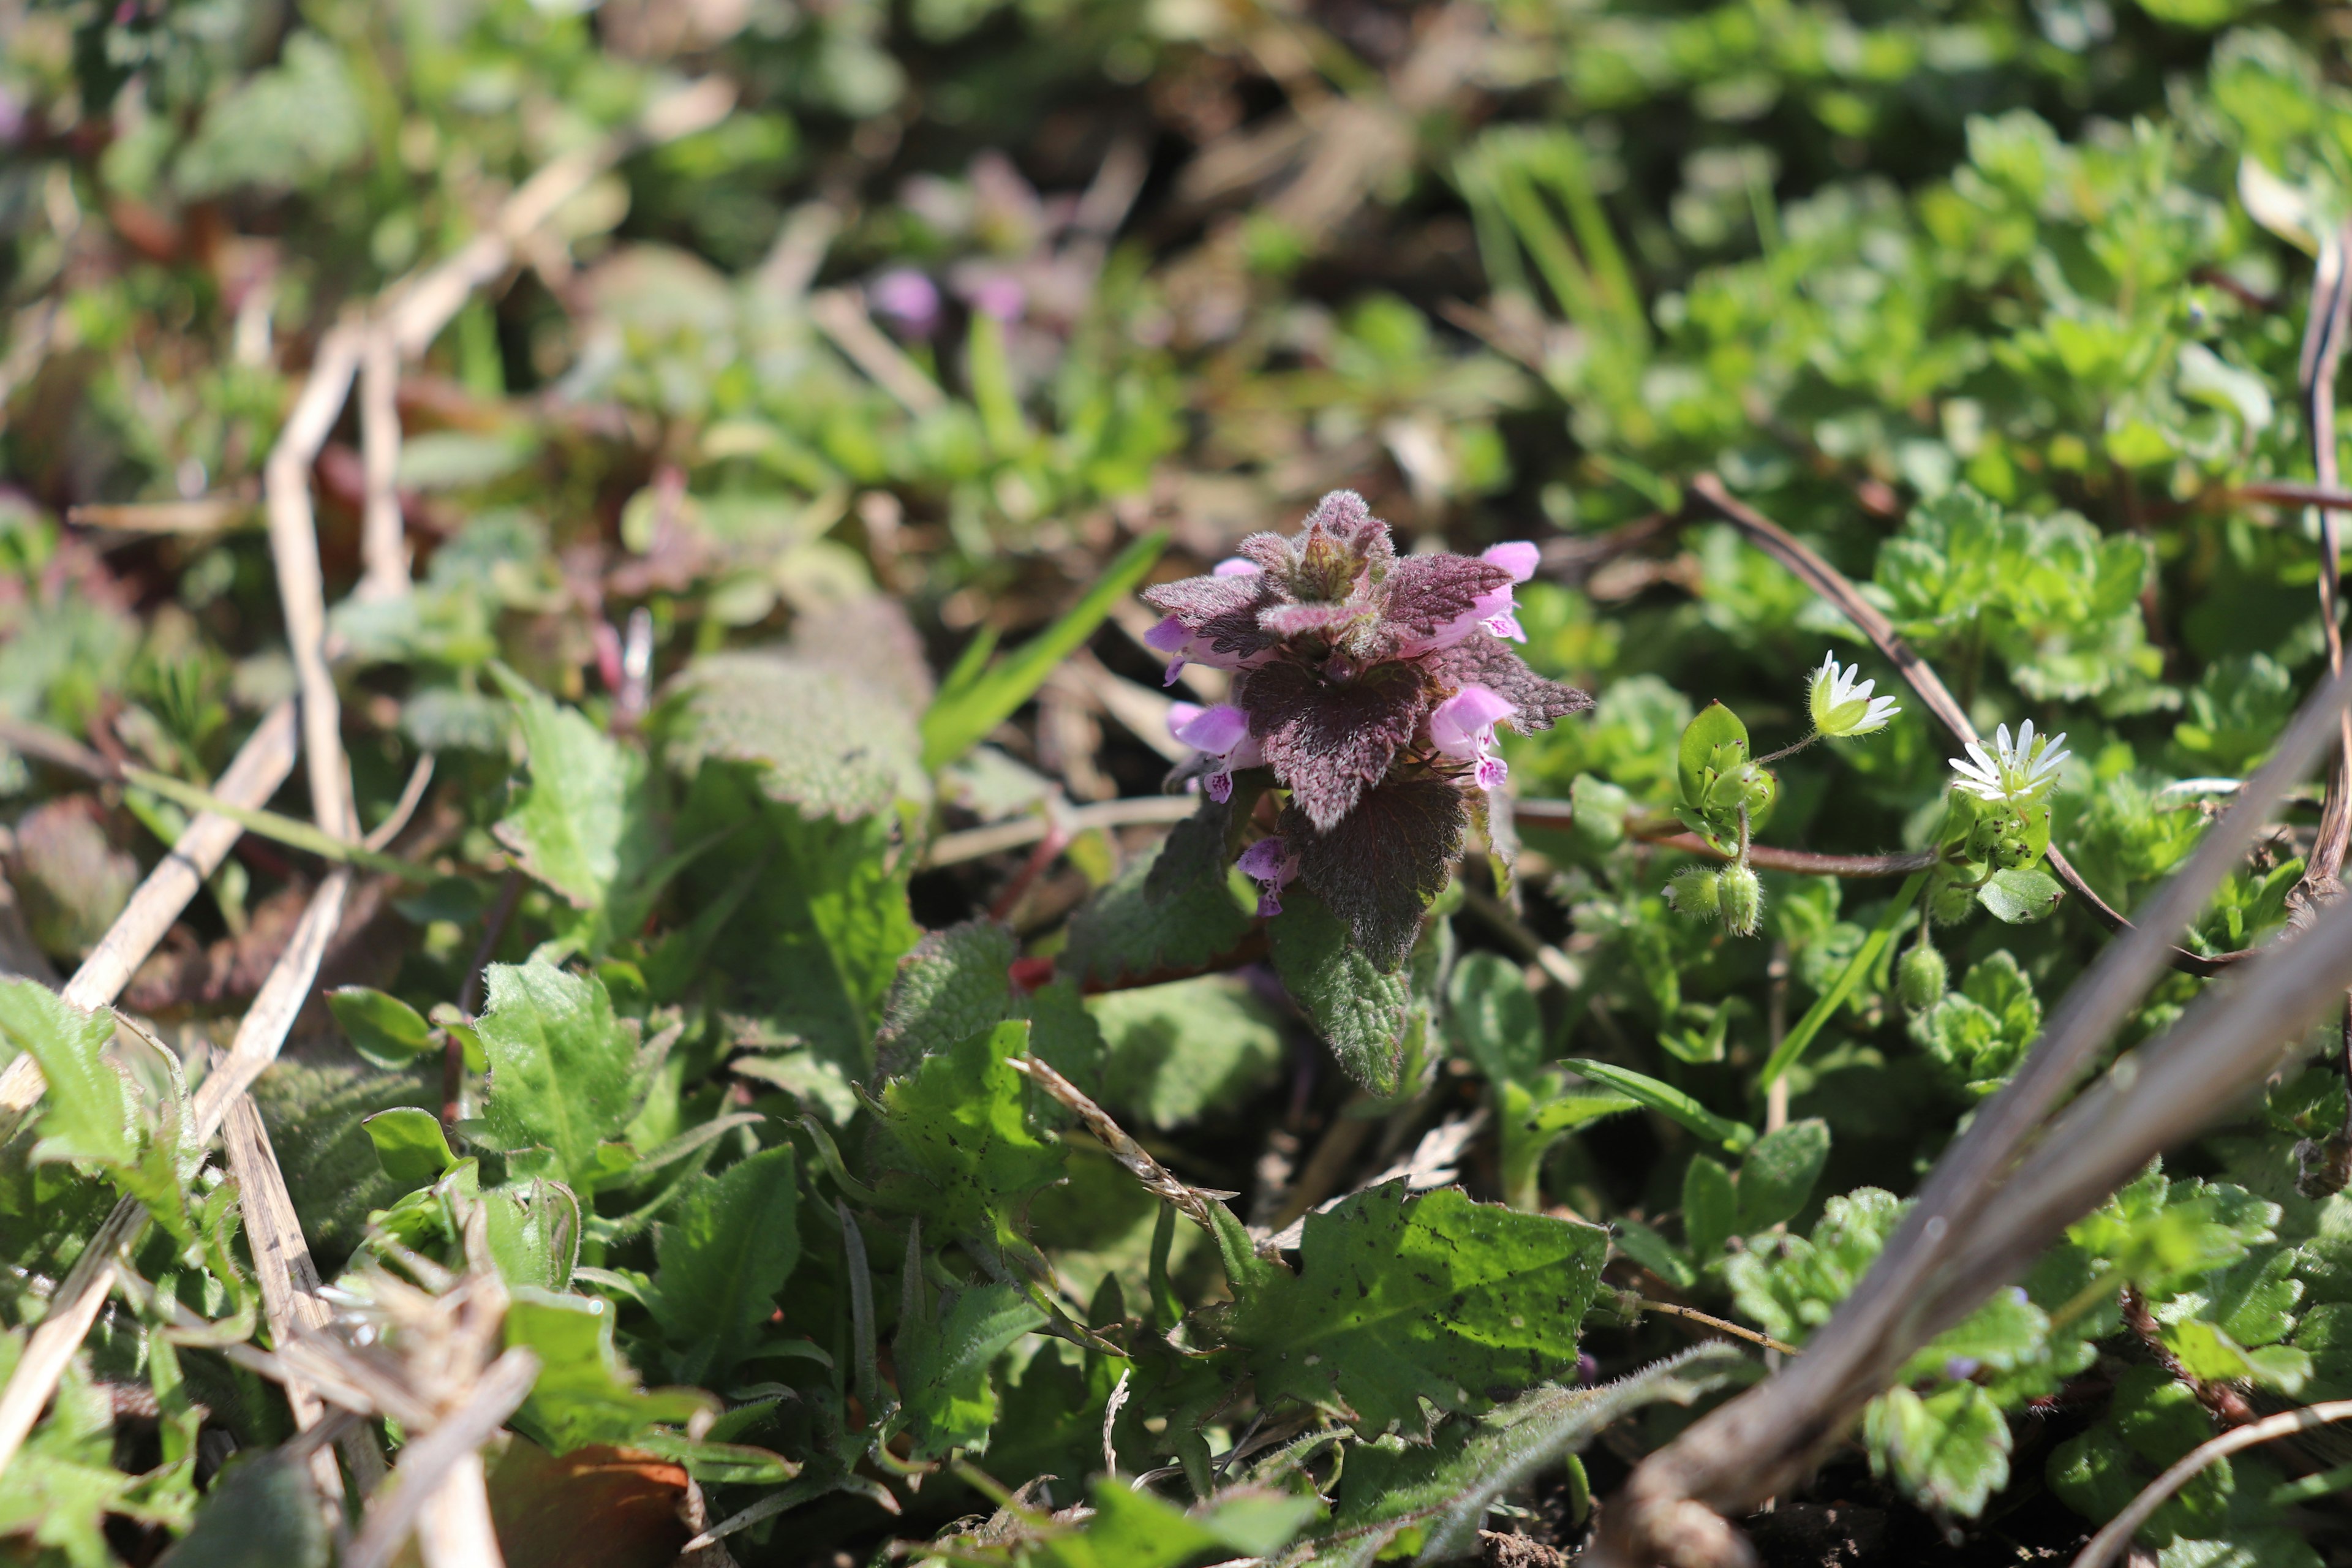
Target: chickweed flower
x: 2019, y: 772
x: 1844, y: 707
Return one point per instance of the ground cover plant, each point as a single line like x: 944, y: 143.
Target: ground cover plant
x: 1045, y: 785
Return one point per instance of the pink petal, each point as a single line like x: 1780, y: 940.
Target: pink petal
x: 1216, y: 729
x: 1464, y: 724
x: 1492, y: 771
x: 1221, y: 787
x: 1180, y: 714
x: 1519, y: 558
x: 1167, y: 636
x: 1235, y: 566
x: 1506, y: 625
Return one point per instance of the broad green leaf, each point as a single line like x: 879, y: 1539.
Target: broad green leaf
x: 1794, y: 1291
x: 2021, y: 896
x: 260, y: 1511
x: 1135, y: 1529
x: 1947, y: 1451
x: 564, y: 1073
x: 959, y: 1149
x: 955, y: 983
x: 386, y: 1031
x: 821, y: 740
x: 1393, y: 1489
x: 1492, y: 1016
x: 1714, y: 742
x: 1403, y: 1298
x: 1668, y: 1100
x: 579, y: 816
x: 945, y: 1392
x: 410, y: 1144
x: 1779, y: 1174
x: 1173, y: 907
x: 1710, y: 1208
x: 1176, y: 1053
x: 584, y: 1394
x: 534, y: 1232
x: 1362, y: 1012
x: 728, y: 1247
x: 963, y: 714
x: 1654, y: 1253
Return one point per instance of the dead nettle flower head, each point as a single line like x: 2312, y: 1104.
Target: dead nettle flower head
x: 1371, y: 684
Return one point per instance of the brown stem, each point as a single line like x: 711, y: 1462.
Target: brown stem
x: 2323, y: 353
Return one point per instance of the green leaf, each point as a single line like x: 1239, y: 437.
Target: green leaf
x: 1779, y: 1174
x: 1948, y: 1451
x: 819, y: 738
x: 1668, y: 1100
x: 1172, y: 908
x: 1134, y: 1528
x: 955, y: 983
x: 719, y: 1260
x: 584, y: 1394
x: 1654, y: 1253
x: 90, y: 1112
x: 386, y: 1031
x: 1792, y: 1046
x: 1714, y: 742
x: 1710, y: 1208
x: 2021, y: 896
x: 947, y: 1397
x: 410, y: 1145
x: 961, y: 719
x: 1493, y: 1017
x: 533, y: 1231
x: 1793, y: 1292
x: 960, y: 1151
x: 1401, y: 1298
x: 564, y: 1074
x: 579, y: 815
x: 260, y: 1511
x: 1173, y: 1054
x: 1362, y: 1012
x: 1445, y: 1491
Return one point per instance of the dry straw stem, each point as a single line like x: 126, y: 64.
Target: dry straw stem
x: 840, y: 314
x: 260, y: 765
x: 1157, y: 1179
x: 953, y: 848
x: 444, y: 1469
x: 1981, y: 1214
x: 2104, y: 1546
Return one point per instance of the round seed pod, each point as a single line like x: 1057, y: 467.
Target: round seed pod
x: 1692, y: 893
x: 1921, y: 978
x: 1742, y: 895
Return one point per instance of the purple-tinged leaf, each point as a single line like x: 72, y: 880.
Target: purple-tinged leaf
x: 1430, y: 595
x: 1385, y: 861
x: 1331, y: 740
x: 1483, y: 661
x: 1195, y: 601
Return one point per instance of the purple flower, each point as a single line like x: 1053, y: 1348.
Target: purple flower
x: 1221, y: 733
x: 907, y: 298
x: 1364, y: 681
x: 1960, y: 1368
x: 1272, y: 865
x: 1462, y: 727
x: 999, y: 295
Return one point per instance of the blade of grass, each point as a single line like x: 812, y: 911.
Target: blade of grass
x: 957, y: 720
x: 1830, y: 1000
x: 1668, y: 1102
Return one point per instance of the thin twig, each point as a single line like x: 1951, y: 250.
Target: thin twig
x: 2104, y: 1546
x: 953, y: 848
x: 1157, y: 1179
x: 260, y: 765
x: 1826, y: 580
x: 383, y: 545
x: 439, y: 1458
x: 1676, y: 1310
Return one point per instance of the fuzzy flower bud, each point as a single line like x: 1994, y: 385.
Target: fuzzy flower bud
x: 1921, y: 978
x: 1951, y: 903
x: 1742, y: 895
x: 1272, y: 865
x: 1693, y: 893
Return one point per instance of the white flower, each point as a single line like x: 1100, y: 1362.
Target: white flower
x: 1842, y: 708
x: 2020, y: 773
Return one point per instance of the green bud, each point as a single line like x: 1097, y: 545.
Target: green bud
x: 1692, y: 893
x: 1952, y: 904
x: 2011, y: 851
x: 1742, y: 895
x: 1921, y: 977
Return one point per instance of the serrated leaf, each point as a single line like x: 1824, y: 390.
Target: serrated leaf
x: 1361, y: 1010
x: 2021, y: 896
x: 564, y: 1074
x: 958, y: 1146
x: 1173, y: 1054
x: 1778, y: 1176
x: 955, y: 983
x: 943, y: 1359
x: 1172, y: 908
x: 410, y: 1145
x: 386, y: 1031
x: 1401, y: 1298
x: 1668, y: 1100
x: 89, y: 1111
x: 1445, y: 1491
x: 584, y: 1394
x: 729, y: 1245
x: 1382, y: 866
x: 819, y: 739
x: 1710, y: 1208
x: 1948, y: 1451
x: 579, y: 815
x: 1792, y: 1291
